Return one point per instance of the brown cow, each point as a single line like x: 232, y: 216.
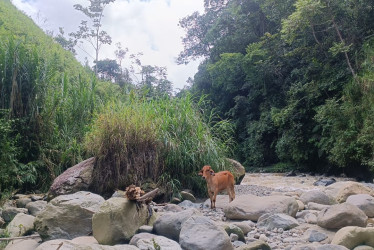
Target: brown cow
x: 217, y: 182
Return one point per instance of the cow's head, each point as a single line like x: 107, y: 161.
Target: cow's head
x: 206, y: 171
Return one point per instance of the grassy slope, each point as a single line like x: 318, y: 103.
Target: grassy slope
x: 15, y: 23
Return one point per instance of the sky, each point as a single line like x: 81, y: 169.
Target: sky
x: 147, y: 26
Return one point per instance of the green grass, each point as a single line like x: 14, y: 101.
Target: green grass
x: 166, y: 140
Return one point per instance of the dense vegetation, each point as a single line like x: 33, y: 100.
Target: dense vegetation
x: 294, y: 76
x: 55, y: 113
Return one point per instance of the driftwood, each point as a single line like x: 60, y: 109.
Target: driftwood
x: 137, y: 194
x: 20, y: 237
x: 148, y: 197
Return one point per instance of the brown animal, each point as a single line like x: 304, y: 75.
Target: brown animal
x: 217, y: 182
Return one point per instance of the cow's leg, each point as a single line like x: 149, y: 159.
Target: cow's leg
x: 211, y: 198
x: 214, y: 199
x: 231, y: 190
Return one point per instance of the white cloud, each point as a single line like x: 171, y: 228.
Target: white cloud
x: 149, y: 26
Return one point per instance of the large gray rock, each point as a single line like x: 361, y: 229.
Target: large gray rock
x: 170, y: 224
x: 245, y: 226
x: 151, y: 241
x: 61, y: 244
x: 251, y: 207
x: 364, y: 202
x: 255, y: 245
x: 352, y: 237
x: 23, y: 201
x: 68, y: 216
x: 317, y: 196
x: 28, y: 244
x: 317, y: 206
x: 21, y: 225
x: 117, y: 220
x: 342, y: 190
x: 238, y: 171
x: 341, y: 215
x: 187, y: 196
x: 74, y: 179
x: 36, y: 207
x: 221, y: 201
x: 10, y: 212
x: 271, y: 221
x: 233, y: 229
x: 201, y: 233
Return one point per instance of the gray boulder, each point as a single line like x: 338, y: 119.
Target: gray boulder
x: 233, y: 229
x: 245, y: 226
x: 61, y: 244
x: 251, y: 207
x: 317, y: 206
x: 36, y: 207
x: 317, y: 196
x: 341, y: 215
x: 28, y: 244
x: 10, y: 212
x: 174, y: 207
x: 59, y: 219
x: 186, y: 204
x: 117, y: 220
x: 255, y: 245
x: 364, y: 202
x: 74, y: 179
x: 352, y: 237
x: 149, y: 241
x: 238, y: 171
x: 313, y: 235
x: 187, y: 196
x: 21, y: 225
x: 342, y: 190
x: 170, y: 224
x: 23, y: 201
x: 201, y: 233
x: 271, y: 221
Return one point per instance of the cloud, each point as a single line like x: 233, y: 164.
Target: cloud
x: 148, y: 26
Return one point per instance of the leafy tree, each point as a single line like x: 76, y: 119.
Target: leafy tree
x: 92, y: 32
x: 67, y: 43
x: 108, y: 69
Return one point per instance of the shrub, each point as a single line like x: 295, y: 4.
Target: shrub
x: 165, y: 140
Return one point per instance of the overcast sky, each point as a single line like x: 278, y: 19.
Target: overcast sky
x: 147, y: 26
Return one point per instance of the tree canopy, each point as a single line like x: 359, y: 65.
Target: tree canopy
x: 289, y: 74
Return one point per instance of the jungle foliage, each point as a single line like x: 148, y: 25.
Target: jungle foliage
x: 294, y: 76
x: 54, y: 113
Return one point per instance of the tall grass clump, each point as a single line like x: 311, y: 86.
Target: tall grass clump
x: 165, y: 140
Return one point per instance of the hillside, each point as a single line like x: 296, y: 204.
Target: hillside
x: 46, y: 99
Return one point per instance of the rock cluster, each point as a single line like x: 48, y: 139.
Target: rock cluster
x: 339, y: 216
